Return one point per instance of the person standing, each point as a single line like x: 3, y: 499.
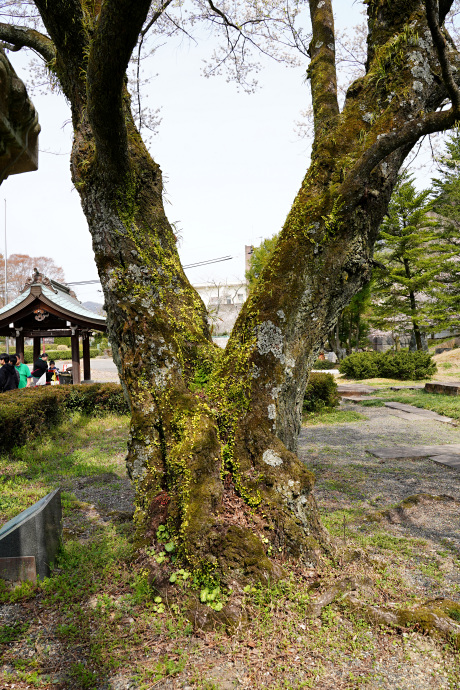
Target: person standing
x: 52, y: 375
x: 8, y: 377
x: 23, y: 370
x: 40, y: 368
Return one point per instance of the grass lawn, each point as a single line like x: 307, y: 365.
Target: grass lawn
x: 99, y: 623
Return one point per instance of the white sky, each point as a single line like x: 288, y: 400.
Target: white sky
x: 232, y: 165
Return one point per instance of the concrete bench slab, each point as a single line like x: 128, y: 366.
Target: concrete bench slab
x: 37, y: 532
x: 451, y: 388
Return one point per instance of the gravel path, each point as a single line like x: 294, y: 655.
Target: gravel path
x: 339, y: 453
x: 413, y: 498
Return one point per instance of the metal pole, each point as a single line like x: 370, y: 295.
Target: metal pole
x: 6, y: 282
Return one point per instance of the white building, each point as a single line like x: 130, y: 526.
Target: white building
x: 223, y: 302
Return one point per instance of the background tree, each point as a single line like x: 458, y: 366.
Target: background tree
x: 219, y: 466
x: 352, y: 327
x: 408, y: 291
x: 259, y: 259
x: 21, y: 266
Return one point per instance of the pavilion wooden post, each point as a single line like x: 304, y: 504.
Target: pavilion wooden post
x: 86, y: 357
x: 20, y: 346
x: 37, y: 352
x: 76, y: 375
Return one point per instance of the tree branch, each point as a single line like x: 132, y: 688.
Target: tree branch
x: 63, y: 20
x: 322, y: 68
x: 23, y: 37
x: 440, y: 44
x: 407, y: 135
x: 115, y: 37
x: 413, y: 130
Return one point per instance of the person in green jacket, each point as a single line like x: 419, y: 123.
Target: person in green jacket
x: 23, y: 370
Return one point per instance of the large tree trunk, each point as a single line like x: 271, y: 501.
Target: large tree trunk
x: 218, y: 462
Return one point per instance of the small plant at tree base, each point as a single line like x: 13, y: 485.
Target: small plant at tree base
x: 210, y: 598
x: 179, y: 575
x: 163, y: 534
x: 158, y: 605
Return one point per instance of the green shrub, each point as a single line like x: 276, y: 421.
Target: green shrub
x: 64, y: 340
x: 321, y: 392
x: 361, y: 365
x: 405, y: 366
x: 96, y: 398
x: 324, y: 364
x: 29, y: 412
x: 58, y: 354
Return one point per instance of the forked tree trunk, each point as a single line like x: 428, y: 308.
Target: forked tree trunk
x: 219, y: 464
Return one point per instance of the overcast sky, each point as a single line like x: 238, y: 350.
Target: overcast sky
x: 232, y: 164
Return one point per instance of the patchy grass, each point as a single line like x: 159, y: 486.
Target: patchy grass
x: 332, y: 416
x: 372, y: 403
x: 447, y: 405
x: 80, y: 447
x: 98, y: 622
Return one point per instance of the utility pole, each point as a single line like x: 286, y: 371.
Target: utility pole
x: 6, y: 282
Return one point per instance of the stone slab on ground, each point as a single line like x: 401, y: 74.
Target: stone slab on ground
x: 415, y: 451
x: 449, y: 460
x: 359, y: 398
x: 451, y: 388
x: 415, y: 387
x: 37, y: 531
x: 355, y: 389
x: 419, y: 412
x: 405, y: 415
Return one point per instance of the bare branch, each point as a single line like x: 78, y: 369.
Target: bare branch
x: 322, y: 69
x: 22, y: 37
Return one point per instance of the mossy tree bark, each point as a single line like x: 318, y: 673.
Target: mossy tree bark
x: 219, y: 464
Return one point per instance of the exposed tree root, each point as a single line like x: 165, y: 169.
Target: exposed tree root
x: 436, y: 617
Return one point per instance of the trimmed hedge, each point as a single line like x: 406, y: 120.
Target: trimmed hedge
x: 59, y: 354
x: 27, y: 413
x: 321, y: 392
x: 405, y: 366
x: 324, y: 364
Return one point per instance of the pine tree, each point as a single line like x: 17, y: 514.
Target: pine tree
x: 416, y: 255
x: 446, y: 204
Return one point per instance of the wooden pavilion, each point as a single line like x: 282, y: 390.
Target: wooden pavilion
x: 45, y: 309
